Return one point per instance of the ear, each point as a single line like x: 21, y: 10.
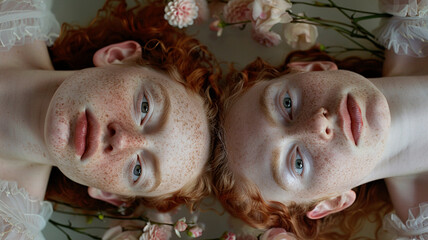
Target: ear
x: 117, y: 53
x: 332, y: 205
x: 311, y: 66
x: 106, y: 197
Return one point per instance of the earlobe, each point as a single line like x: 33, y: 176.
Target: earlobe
x: 332, y: 205
x: 311, y: 66
x: 106, y: 197
x: 117, y: 53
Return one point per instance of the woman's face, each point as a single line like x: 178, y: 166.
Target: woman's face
x: 305, y: 136
x: 127, y: 130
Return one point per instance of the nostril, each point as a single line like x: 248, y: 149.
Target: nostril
x: 111, y: 130
x: 109, y: 149
x: 324, y: 112
x: 327, y: 131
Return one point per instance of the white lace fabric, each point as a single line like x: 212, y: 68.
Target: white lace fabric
x: 21, y: 216
x: 24, y: 21
x: 407, y: 31
x: 415, y: 228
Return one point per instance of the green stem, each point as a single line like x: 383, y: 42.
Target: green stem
x: 78, y: 230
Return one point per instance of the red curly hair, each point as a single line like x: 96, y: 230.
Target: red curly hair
x: 244, y: 200
x: 164, y: 48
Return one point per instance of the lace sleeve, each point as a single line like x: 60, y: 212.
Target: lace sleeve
x: 416, y: 227
x: 407, y: 31
x: 23, y: 21
x: 21, y: 216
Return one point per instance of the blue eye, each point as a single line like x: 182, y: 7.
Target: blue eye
x: 144, y: 108
x: 298, y: 164
x: 288, y: 104
x: 136, y: 172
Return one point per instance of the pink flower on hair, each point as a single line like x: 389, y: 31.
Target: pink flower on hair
x: 277, y: 234
x: 237, y: 11
x: 268, y: 39
x: 301, y: 36
x: 194, y: 232
x: 267, y: 13
x: 181, y: 13
x: 154, y: 232
x: 228, y: 236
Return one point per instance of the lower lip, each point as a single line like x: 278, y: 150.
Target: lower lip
x: 80, y: 134
x: 85, y: 140
x: 356, y: 118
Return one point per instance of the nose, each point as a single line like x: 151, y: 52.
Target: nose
x: 321, y: 124
x: 119, y: 138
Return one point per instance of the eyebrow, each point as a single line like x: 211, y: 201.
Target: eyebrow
x: 264, y: 106
x: 275, y: 167
x: 166, y: 106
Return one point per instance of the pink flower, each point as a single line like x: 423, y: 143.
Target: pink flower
x: 301, y: 36
x: 203, y: 11
x: 115, y: 233
x: 154, y: 232
x: 181, y: 13
x: 180, y: 226
x: 277, y: 234
x: 216, y: 26
x: 267, y: 13
x: 194, y: 232
x: 268, y: 39
x: 237, y: 11
x: 228, y: 236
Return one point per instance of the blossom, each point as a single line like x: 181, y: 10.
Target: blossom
x: 115, y: 233
x: 236, y: 11
x: 301, y: 36
x: 180, y: 226
x: 268, y: 38
x: 194, y: 232
x: 154, y: 232
x: 217, y: 26
x: 277, y: 234
x: 203, y: 10
x: 228, y: 236
x: 267, y: 13
x: 181, y: 13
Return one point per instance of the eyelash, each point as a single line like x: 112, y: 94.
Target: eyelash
x: 138, y: 163
x: 141, y: 109
x: 299, y: 157
x: 288, y: 111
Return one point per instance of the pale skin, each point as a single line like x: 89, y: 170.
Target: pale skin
x: 142, y: 117
x: 263, y: 142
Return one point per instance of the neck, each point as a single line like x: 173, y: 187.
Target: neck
x: 406, y: 149
x: 25, y: 98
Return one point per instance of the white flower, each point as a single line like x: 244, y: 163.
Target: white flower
x: 181, y: 13
x: 301, y: 36
x: 267, y: 13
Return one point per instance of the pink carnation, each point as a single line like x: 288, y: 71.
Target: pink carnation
x: 181, y: 13
x: 267, y: 13
x: 115, y: 233
x: 268, y: 39
x: 203, y: 11
x: 195, y: 232
x: 154, y: 232
x: 228, y: 236
x: 237, y: 11
x: 278, y: 234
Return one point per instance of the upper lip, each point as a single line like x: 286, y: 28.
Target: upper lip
x: 351, y: 119
x: 90, y: 136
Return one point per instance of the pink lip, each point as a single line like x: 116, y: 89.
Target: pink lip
x: 346, y: 120
x: 86, y: 135
x: 356, y: 118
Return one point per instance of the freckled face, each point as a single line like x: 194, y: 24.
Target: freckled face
x: 287, y: 135
x: 146, y: 134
